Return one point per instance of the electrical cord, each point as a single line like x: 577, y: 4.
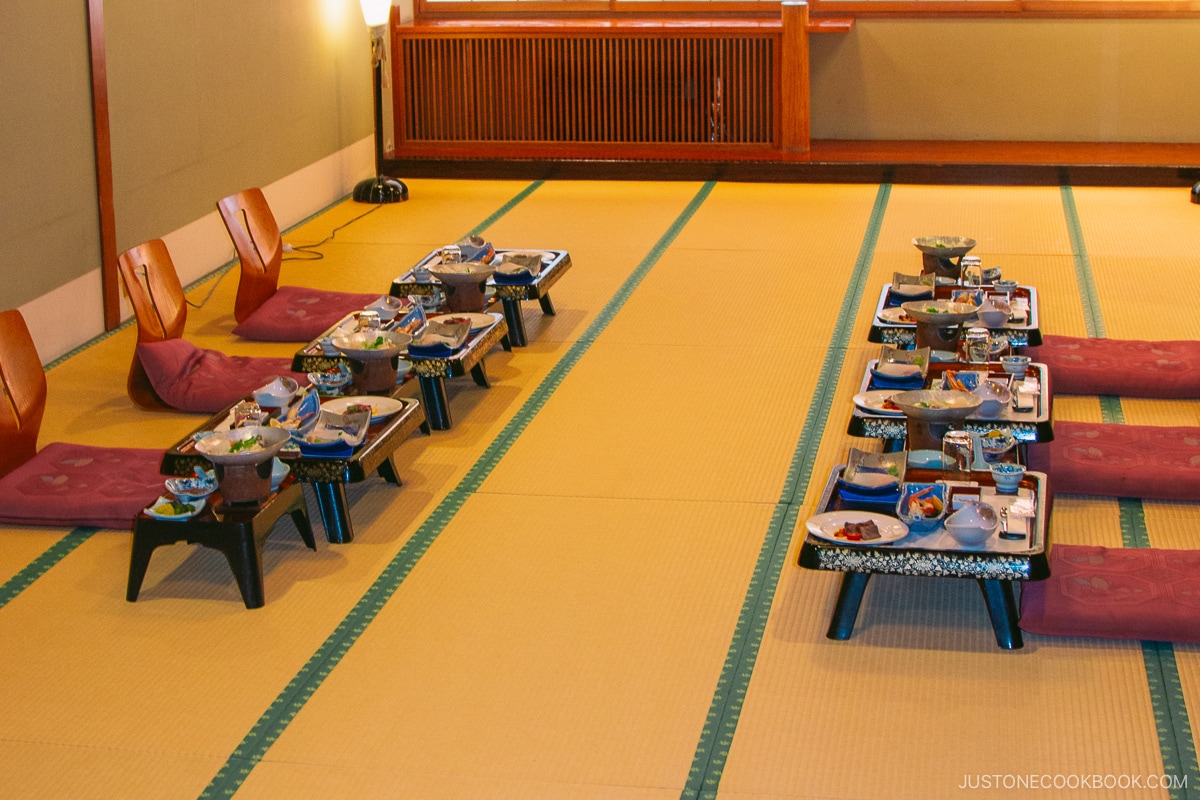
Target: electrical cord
x: 308, y: 251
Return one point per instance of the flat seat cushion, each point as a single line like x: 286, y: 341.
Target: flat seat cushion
x: 1098, y: 458
x: 1123, y: 593
x: 190, y: 378
x: 68, y: 485
x: 1123, y: 367
x: 298, y: 314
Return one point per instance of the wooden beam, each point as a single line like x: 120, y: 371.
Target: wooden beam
x: 794, y: 83
x: 104, y: 175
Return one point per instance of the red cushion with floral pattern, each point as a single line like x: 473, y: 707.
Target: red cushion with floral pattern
x: 1126, y: 593
x: 68, y: 485
x: 1146, y: 461
x: 1124, y: 367
x: 190, y: 378
x: 298, y: 314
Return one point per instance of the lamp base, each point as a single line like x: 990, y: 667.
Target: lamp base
x: 380, y: 189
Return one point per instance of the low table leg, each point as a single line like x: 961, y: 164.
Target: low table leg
x: 387, y: 471
x: 1002, y: 608
x: 335, y: 511
x: 516, y: 322
x: 437, y: 407
x: 139, y: 561
x: 245, y: 559
x: 547, y: 305
x: 300, y: 517
x: 479, y: 373
x: 854, y: 585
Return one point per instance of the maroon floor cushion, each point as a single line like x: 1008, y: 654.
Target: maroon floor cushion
x: 1124, y: 367
x: 1126, y: 593
x: 297, y: 314
x: 68, y: 485
x: 190, y: 378
x: 1145, y: 461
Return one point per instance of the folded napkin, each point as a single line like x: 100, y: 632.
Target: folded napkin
x: 850, y: 494
x: 439, y: 340
x: 518, y: 268
x: 895, y: 298
x: 878, y: 382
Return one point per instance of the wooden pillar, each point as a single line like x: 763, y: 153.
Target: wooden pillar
x: 794, y: 82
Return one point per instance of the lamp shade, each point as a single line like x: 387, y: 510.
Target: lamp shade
x: 375, y: 12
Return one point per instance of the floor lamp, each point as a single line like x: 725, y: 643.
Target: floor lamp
x: 380, y: 189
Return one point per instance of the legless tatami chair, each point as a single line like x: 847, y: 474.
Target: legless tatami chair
x: 63, y: 485
x: 264, y: 310
x: 168, y: 372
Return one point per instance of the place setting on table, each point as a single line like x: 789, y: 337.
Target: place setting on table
x: 473, y: 266
x: 922, y: 310
x: 335, y: 431
x: 400, y: 337
x: 967, y: 514
x: 231, y: 506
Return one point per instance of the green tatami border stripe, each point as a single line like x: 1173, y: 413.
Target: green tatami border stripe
x: 1092, y: 317
x: 716, y: 738
x: 504, y: 209
x: 283, y: 709
x: 40, y: 565
x: 1175, y: 742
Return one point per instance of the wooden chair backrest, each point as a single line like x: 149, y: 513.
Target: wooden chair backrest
x: 259, y: 246
x: 23, y: 390
x: 158, y: 304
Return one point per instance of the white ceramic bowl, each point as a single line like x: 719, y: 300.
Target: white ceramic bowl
x: 939, y: 312
x: 944, y: 246
x: 278, y: 393
x: 222, y: 446
x: 973, y: 524
x: 937, y: 405
x: 371, y: 345
x: 994, y: 397
x: 386, y: 306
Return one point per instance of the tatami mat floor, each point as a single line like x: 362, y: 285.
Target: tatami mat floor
x: 588, y: 588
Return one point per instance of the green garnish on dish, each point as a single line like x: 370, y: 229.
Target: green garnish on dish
x: 377, y: 343
x: 171, y: 508
x: 245, y: 445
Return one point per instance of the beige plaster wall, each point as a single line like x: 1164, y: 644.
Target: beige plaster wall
x: 47, y: 169
x: 213, y: 96
x: 1019, y: 79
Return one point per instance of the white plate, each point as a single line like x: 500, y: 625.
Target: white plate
x: 381, y: 407
x: 943, y: 356
x: 194, y: 506
x: 872, y: 402
x: 479, y: 320
x: 828, y: 524
x: 896, y: 316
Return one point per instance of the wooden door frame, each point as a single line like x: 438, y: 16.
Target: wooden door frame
x: 102, y: 140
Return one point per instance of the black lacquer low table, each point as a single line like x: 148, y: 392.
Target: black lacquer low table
x: 996, y: 565
x: 237, y: 531
x: 555, y: 265
x: 328, y: 476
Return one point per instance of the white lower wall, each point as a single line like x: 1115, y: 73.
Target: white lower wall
x: 197, y: 249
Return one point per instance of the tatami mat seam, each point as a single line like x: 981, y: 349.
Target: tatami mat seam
x: 42, y: 564
x: 1176, y: 745
x: 283, y: 709
x: 716, y: 738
